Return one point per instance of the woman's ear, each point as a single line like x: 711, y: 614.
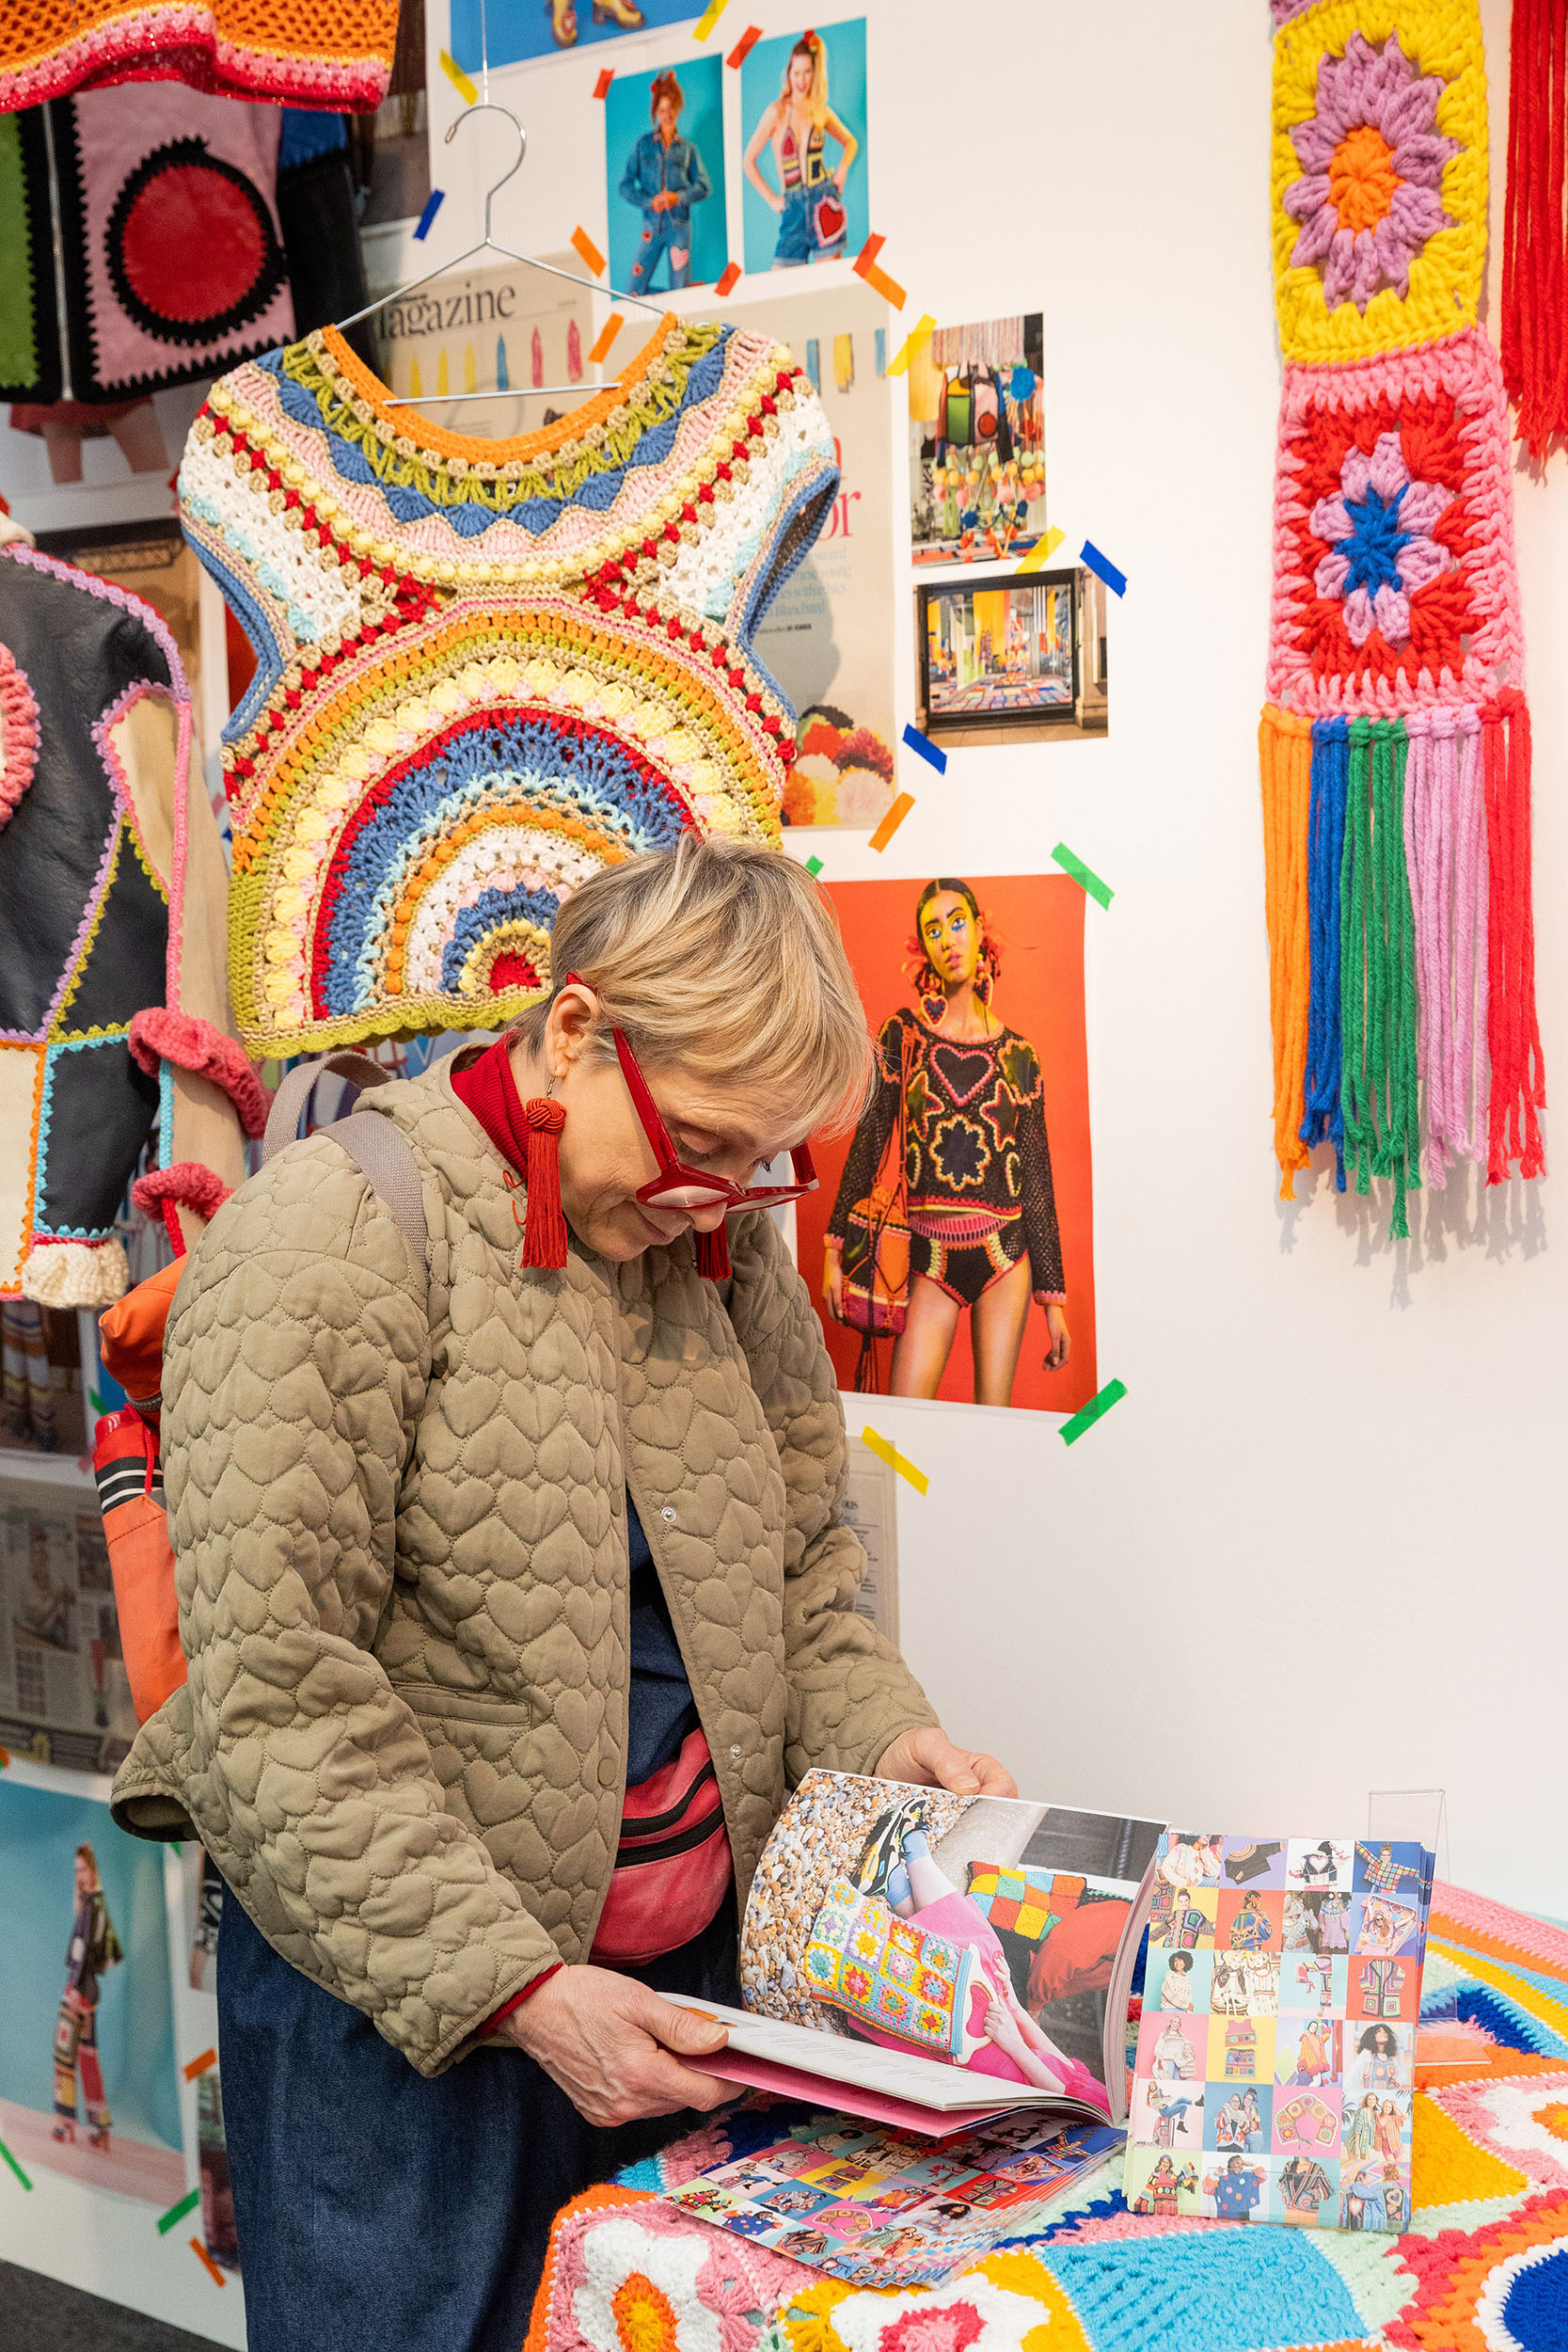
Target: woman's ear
x: 569, y: 1027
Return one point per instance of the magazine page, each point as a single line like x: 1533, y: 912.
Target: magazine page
x: 884, y: 2209
x: 1275, y: 2063
x: 977, y: 1934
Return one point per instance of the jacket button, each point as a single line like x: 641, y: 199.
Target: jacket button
x: 735, y: 1756
x: 608, y: 1771
x: 668, y: 1514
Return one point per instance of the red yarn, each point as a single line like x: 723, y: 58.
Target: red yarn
x: 185, y: 1186
x: 713, y: 1255
x: 545, y: 1232
x: 1534, y: 349
x: 1512, y: 1031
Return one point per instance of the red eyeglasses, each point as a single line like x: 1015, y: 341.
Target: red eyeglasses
x: 678, y: 1186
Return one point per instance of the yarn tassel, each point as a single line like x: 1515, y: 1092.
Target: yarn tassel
x: 1380, y: 1083
x: 544, y: 1228
x: 713, y: 1255
x: 1533, y: 346
x: 1285, y: 762
x: 1324, y: 1120
x: 1471, y: 987
x: 1512, y: 1032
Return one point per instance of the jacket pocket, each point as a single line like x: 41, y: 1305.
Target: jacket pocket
x: 434, y: 1699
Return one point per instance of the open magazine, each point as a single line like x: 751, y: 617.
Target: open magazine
x: 1276, y: 2051
x: 927, y: 1960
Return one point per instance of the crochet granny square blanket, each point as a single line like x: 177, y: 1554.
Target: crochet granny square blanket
x: 1483, y: 2266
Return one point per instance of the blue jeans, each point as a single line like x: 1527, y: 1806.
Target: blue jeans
x: 796, y: 237
x: 378, y: 2207
x: 662, y: 232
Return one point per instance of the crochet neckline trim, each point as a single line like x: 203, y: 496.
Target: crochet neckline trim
x: 408, y: 424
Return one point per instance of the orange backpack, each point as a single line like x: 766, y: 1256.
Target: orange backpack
x: 131, y: 1338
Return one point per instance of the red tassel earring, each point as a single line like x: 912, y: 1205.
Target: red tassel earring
x: 545, y: 1230
x: 713, y: 1255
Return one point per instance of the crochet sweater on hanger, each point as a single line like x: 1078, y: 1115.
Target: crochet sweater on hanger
x: 487, y: 669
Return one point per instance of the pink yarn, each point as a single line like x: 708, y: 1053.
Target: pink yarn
x: 160, y: 1034
x: 185, y: 1186
x: 1455, y: 1907
x: 1445, y: 862
x: 19, y: 734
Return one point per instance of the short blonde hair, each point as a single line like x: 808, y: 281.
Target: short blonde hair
x: 723, y: 959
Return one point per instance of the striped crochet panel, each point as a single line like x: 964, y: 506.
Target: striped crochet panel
x: 303, y: 52
x: 1395, y: 747
x: 487, y: 670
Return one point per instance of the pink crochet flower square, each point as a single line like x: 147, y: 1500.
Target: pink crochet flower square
x: 1394, y: 578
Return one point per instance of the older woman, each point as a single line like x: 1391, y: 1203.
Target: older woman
x: 486, y: 1568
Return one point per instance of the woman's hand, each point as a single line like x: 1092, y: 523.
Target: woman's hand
x: 832, y: 1281
x: 608, y: 2041
x: 1061, y: 1338
x: 930, y: 1759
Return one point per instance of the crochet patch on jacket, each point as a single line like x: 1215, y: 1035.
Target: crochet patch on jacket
x: 487, y: 670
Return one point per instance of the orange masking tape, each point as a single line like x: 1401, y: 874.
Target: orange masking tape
x: 202, y: 2254
x: 606, y: 335
x: 892, y: 821
x: 584, y: 245
x: 199, y: 2065
x: 732, y: 271
x: 601, y: 87
x: 745, y: 45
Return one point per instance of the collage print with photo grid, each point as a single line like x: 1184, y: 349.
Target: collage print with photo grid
x: 1276, y: 2054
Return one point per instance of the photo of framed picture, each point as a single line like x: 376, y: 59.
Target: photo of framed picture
x: 1012, y: 653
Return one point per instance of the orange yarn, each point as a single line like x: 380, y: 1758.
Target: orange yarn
x: 1285, y: 758
x: 320, y: 52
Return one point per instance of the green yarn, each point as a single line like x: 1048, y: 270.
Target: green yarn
x: 19, y: 358
x: 647, y: 403
x: 1379, y: 1086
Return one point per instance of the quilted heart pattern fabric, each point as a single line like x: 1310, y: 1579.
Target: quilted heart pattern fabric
x: 1395, y: 745
x: 99, y: 833
x: 487, y: 669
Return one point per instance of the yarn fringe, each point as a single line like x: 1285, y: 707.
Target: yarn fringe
x: 1445, y: 844
x: 1285, y: 754
x: 1379, y: 1084
x: 545, y: 1228
x: 1324, y: 1118
x: 160, y: 1033
x: 1512, y: 1031
x: 75, y: 1273
x: 1534, y: 347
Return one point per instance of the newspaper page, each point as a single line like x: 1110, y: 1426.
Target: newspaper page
x: 64, y: 1695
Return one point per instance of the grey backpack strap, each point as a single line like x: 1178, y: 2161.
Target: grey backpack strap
x: 385, y: 1157
x: 289, y: 1100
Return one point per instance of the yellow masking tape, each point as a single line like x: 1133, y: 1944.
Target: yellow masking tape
x: 910, y: 344
x: 1043, y: 549
x: 894, y: 1460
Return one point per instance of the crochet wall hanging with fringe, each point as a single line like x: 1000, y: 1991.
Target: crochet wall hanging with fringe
x: 109, y: 867
x: 1395, y: 743
x: 487, y: 669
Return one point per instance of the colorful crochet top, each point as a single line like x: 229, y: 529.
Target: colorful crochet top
x: 487, y: 669
x: 322, y: 53
x: 977, y: 1157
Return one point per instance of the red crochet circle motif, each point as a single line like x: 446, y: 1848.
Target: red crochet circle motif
x: 192, y: 244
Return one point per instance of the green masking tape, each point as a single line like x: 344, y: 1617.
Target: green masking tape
x: 1085, y: 876
x: 1112, y: 1393
x: 178, y: 2213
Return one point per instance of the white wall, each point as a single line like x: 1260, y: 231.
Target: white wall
x: 1317, y: 1550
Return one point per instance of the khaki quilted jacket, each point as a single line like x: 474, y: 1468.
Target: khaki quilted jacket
x: 399, y: 1520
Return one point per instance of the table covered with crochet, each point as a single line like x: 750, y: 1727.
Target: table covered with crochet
x: 1482, y: 2268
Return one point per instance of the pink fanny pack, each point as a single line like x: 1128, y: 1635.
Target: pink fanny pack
x: 673, y: 1866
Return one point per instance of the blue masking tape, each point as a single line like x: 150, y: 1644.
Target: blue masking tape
x: 431, y: 206
x: 927, y: 750
x: 1104, y: 568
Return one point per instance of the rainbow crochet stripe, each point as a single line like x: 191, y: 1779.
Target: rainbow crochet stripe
x: 1395, y: 745
x: 1483, y: 2266
x: 487, y: 670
